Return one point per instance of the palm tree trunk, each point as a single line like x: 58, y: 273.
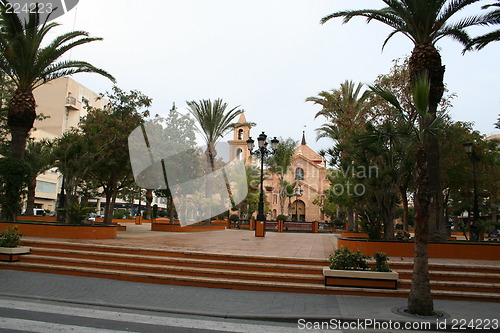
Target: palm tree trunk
x: 420, y: 299
x: 426, y: 58
x: 404, y: 199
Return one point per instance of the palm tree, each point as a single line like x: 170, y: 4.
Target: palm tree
x: 29, y: 65
x: 420, y: 299
x: 494, y: 18
x: 424, y: 23
x: 279, y: 164
x: 346, y: 110
x: 215, y: 121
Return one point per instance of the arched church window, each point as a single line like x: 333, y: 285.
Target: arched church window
x: 299, y: 174
x: 240, y: 134
x: 239, y: 153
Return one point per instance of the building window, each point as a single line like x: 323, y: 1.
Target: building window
x: 275, y: 198
x: 45, y: 187
x: 239, y: 154
x: 299, y: 174
x: 240, y: 134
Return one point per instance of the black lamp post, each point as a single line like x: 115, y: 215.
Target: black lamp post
x: 474, y: 228
x: 262, y: 151
x: 298, y: 193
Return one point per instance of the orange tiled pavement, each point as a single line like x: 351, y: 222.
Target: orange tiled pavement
x: 232, y: 241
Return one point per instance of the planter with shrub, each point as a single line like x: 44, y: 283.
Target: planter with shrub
x: 350, y: 269
x: 10, y: 239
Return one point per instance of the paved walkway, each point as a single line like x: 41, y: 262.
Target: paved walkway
x: 233, y: 241
x: 75, y: 290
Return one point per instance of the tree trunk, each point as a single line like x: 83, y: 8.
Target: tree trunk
x: 350, y: 216
x: 30, y: 201
x: 108, y: 207
x: 171, y: 209
x: 149, y: 200
x: 420, y: 299
x: 404, y: 199
x: 426, y: 58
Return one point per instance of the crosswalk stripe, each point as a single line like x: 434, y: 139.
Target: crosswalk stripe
x: 146, y: 319
x: 43, y: 327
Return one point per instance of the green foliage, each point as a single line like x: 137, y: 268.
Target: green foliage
x: 344, y: 259
x: 234, y: 218
x: 77, y: 213
x: 371, y: 226
x: 281, y: 218
x: 10, y: 237
x: 14, y: 175
x: 121, y: 214
x: 381, y: 264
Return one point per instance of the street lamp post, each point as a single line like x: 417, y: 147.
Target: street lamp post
x: 262, y: 151
x: 298, y: 193
x: 474, y: 228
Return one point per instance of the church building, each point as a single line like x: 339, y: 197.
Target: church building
x: 307, y: 170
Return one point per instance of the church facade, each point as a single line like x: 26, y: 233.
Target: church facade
x: 307, y: 171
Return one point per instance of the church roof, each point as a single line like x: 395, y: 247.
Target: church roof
x: 307, y: 152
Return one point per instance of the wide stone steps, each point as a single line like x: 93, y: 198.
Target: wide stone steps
x: 179, y: 261
x: 218, y: 270
x: 232, y: 273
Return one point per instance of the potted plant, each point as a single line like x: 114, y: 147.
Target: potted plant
x: 269, y: 188
x: 350, y: 269
x: 10, y: 239
x: 234, y: 218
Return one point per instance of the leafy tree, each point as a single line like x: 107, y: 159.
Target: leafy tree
x: 424, y: 23
x: 279, y: 164
x: 74, y: 157
x: 39, y: 157
x: 108, y: 130
x: 177, y: 132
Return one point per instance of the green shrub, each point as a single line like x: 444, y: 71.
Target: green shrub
x: 281, y: 218
x: 344, y: 259
x: 381, y: 264
x: 119, y: 214
x: 10, y: 237
x: 234, y: 218
x: 78, y: 212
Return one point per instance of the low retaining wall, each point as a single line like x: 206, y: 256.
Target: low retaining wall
x: 63, y: 231
x: 189, y: 228
x: 488, y: 251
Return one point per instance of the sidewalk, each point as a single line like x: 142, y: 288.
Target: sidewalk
x: 224, y: 303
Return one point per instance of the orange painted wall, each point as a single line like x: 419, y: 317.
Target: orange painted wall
x: 63, y: 231
x: 37, y: 218
x: 448, y: 250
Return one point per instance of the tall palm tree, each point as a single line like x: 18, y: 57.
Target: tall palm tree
x: 28, y: 65
x: 424, y: 23
x: 420, y: 299
x: 346, y: 110
x: 494, y: 36
x: 215, y: 120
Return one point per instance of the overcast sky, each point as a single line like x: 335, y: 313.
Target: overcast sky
x: 267, y: 56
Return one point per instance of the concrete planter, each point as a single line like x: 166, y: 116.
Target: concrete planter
x: 13, y: 253
x: 360, y: 279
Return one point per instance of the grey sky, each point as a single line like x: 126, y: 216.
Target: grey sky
x: 266, y: 55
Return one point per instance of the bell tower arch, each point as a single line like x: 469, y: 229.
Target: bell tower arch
x: 238, y: 146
